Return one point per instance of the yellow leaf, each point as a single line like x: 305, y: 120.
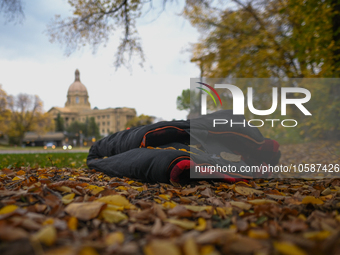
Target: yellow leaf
x: 94, y: 189
x: 163, y: 247
x: 288, y: 248
x: 16, y: 178
x: 114, y: 207
x: 8, y: 209
x: 116, y: 200
x: 207, y: 250
x: 311, y: 200
x: 114, y: 238
x: 317, y: 235
x: 46, y: 235
x: 140, y: 189
x: 64, y: 189
x: 164, y: 196
x: 202, y: 224
x: 224, y: 210
x: 122, y: 188
x: 190, y: 247
x: 21, y: 172
x: 186, y: 224
x: 72, y: 223
x: 88, y: 251
x: 48, y: 221
x: 68, y: 198
x: 157, y: 200
x: 169, y: 204
x: 258, y: 234
x: 197, y: 208
x: 113, y: 216
x: 246, y: 191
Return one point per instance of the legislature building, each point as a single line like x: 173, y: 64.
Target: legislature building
x: 78, y: 108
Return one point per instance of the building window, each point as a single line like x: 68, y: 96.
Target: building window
x: 108, y: 122
x: 72, y: 119
x: 103, y: 117
x: 77, y: 100
x: 108, y: 116
x: 103, y: 130
x: 108, y: 130
x: 103, y: 123
x: 98, y: 117
x: 85, y: 100
x: 98, y: 123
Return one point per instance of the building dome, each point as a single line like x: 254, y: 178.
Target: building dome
x: 77, y: 87
x: 77, y: 96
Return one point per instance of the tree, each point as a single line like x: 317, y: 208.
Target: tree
x: 141, y: 120
x: 27, y: 115
x: 92, y: 128
x: 12, y: 10
x: 59, y: 124
x: 268, y: 38
x: 4, y: 112
x: 273, y: 38
x: 89, y: 128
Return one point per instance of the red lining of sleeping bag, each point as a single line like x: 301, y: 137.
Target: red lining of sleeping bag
x: 143, y: 143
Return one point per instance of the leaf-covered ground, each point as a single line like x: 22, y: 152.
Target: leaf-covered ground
x: 79, y: 211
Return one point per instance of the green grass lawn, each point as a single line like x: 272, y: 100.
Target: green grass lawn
x: 74, y: 160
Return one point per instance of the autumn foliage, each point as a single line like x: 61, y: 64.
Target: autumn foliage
x: 81, y: 211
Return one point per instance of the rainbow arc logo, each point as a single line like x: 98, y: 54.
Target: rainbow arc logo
x: 208, y: 92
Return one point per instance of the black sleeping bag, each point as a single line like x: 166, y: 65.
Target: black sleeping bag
x: 150, y: 152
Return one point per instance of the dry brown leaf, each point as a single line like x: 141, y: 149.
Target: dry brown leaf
x: 85, y: 211
x: 156, y: 247
x: 246, y: 191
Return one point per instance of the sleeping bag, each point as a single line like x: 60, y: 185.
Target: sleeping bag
x: 177, y: 151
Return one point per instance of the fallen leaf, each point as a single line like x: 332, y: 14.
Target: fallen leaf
x: 180, y: 211
x: 311, y: 200
x: 113, y: 216
x: 72, y: 223
x: 186, y: 224
x: 156, y: 247
x: 67, y: 198
x: 202, y: 224
x: 258, y: 234
x: 46, y: 235
x: 8, y: 209
x: 114, y: 238
x: 246, y: 191
x: 190, y: 247
x: 117, y: 200
x: 288, y: 248
x: 261, y: 201
x: 85, y: 211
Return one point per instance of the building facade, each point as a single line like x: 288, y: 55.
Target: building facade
x: 78, y: 108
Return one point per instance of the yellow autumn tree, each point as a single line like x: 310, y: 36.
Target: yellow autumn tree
x: 27, y: 115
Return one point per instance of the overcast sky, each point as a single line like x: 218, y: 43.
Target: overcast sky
x: 29, y: 63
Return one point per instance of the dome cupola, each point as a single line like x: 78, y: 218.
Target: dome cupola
x: 77, y: 96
